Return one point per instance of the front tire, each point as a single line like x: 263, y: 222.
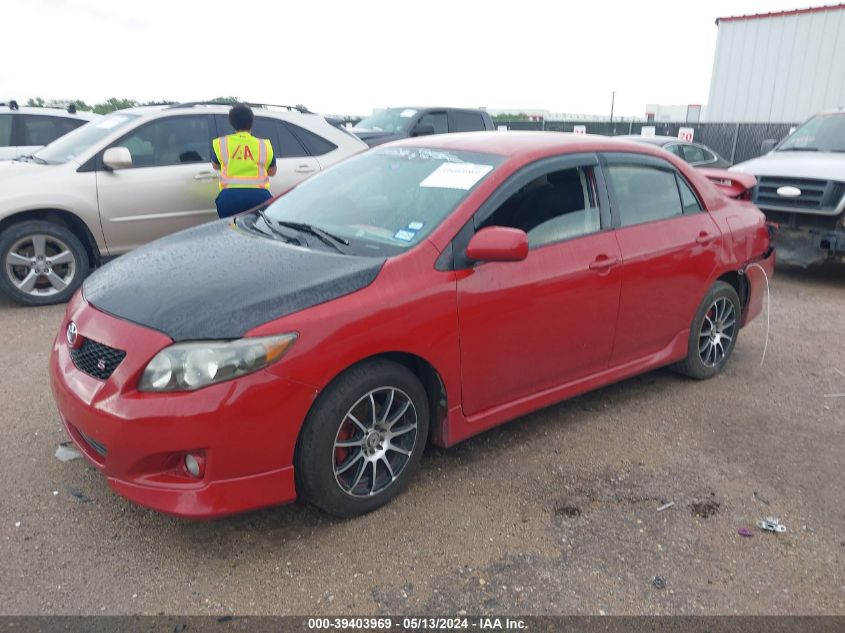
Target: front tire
x: 713, y: 333
x: 363, y: 440
x: 41, y: 263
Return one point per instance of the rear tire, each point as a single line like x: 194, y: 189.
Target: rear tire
x: 363, y: 439
x: 41, y: 263
x: 713, y: 333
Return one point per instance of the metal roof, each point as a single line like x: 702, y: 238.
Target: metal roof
x: 778, y: 14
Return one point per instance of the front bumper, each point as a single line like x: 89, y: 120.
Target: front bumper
x: 246, y: 428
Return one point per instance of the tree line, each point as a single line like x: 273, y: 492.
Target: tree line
x: 110, y: 105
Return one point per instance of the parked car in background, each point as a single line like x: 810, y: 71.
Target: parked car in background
x: 427, y: 290
x: 695, y: 154
x: 801, y: 186
x: 24, y: 130
x: 129, y: 178
x: 392, y: 124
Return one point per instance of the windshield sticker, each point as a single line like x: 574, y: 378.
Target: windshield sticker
x: 110, y: 122
x: 415, y: 226
x: 405, y: 236
x: 419, y: 153
x: 456, y: 176
x: 407, y: 113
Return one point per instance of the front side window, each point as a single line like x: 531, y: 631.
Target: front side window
x: 644, y: 193
x: 42, y: 130
x: 389, y: 120
x: 74, y: 143
x: 386, y: 200
x: 172, y: 141
x: 556, y: 206
x: 5, y: 130
x: 437, y: 120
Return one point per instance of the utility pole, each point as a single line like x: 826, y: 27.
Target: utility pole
x: 612, y: 102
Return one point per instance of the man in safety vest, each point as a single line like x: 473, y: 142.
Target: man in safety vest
x: 245, y: 164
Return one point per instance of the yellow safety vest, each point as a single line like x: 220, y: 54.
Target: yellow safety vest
x: 244, y: 160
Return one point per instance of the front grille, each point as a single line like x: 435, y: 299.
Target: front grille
x: 816, y: 195
x: 96, y: 359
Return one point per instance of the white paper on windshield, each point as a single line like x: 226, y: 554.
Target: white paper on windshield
x: 456, y: 175
x: 110, y: 122
x: 407, y: 113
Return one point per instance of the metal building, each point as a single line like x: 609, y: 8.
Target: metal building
x: 778, y: 67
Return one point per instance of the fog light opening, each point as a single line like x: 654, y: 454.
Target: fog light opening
x: 195, y: 465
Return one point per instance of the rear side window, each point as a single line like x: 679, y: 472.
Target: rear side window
x: 466, y: 122
x: 694, y: 154
x: 644, y: 194
x: 289, y: 145
x: 675, y: 149
x: 314, y: 143
x: 5, y: 130
x: 43, y: 130
x: 688, y: 200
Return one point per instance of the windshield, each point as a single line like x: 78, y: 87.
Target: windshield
x: 389, y: 120
x: 386, y: 200
x: 822, y: 133
x: 74, y: 143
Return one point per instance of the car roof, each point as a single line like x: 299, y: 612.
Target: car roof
x: 87, y: 116
x: 432, y: 108
x: 212, y: 108
x: 526, y: 145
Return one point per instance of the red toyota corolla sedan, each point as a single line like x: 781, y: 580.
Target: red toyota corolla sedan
x: 421, y: 292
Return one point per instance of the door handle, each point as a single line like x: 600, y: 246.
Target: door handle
x: 603, y: 262
x: 206, y: 175
x: 704, y: 238
x: 305, y: 169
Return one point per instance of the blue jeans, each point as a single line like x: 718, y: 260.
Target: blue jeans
x: 233, y: 201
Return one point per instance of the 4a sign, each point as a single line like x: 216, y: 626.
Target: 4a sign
x: 579, y: 129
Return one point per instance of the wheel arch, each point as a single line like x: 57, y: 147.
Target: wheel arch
x: 429, y: 376
x: 64, y: 218
x: 739, y: 283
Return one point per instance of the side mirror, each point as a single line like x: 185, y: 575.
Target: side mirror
x: 498, y: 244
x: 117, y: 158
x: 768, y: 145
x: 423, y: 130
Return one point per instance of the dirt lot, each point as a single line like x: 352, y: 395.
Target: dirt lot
x: 553, y: 513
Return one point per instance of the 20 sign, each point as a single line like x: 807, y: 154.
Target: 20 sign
x: 686, y: 134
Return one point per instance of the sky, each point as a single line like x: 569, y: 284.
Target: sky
x: 343, y: 57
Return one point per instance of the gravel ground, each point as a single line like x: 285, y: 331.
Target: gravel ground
x: 555, y: 513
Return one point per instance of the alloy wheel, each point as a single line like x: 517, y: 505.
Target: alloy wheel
x: 374, y: 442
x: 717, y: 332
x: 40, y: 265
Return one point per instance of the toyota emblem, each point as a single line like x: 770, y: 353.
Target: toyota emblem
x: 71, y: 334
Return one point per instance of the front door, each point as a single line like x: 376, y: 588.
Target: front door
x: 170, y: 186
x: 670, y: 248
x: 548, y: 320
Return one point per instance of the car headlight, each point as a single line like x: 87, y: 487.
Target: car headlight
x: 189, y: 366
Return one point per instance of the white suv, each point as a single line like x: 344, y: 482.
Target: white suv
x: 26, y: 130
x: 131, y: 177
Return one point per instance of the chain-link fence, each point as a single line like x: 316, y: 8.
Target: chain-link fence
x: 736, y: 142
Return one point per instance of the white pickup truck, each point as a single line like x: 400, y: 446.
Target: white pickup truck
x: 801, y: 187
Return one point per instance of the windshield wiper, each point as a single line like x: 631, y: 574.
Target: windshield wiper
x: 273, y: 229
x: 799, y: 149
x: 322, y: 234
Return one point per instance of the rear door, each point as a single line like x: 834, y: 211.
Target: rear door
x: 547, y: 320
x: 170, y: 186
x: 670, y: 247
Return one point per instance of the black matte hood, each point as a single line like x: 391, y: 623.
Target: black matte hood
x: 216, y: 281
x: 374, y: 137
